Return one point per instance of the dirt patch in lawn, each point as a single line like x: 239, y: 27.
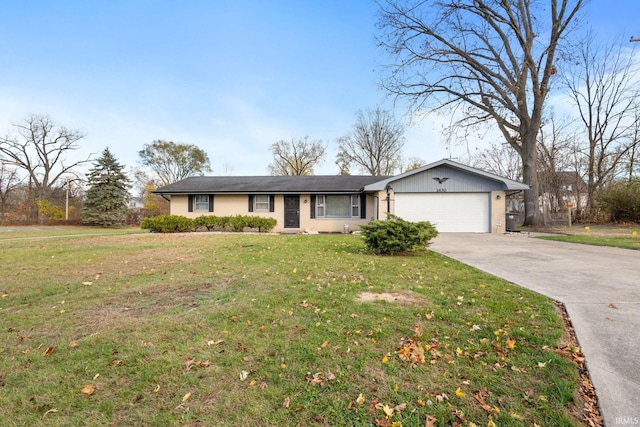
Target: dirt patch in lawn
x: 408, y: 298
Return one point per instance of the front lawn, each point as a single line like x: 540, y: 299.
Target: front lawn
x: 625, y: 242
x: 235, y: 329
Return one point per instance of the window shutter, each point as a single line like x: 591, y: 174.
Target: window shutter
x: 210, y: 202
x: 313, y: 206
x: 363, y: 206
x: 190, y: 203
x: 272, y: 202
x: 250, y: 202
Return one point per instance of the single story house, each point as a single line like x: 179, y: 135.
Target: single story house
x: 453, y: 196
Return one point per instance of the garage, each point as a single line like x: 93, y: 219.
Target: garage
x: 449, y: 212
x: 455, y: 197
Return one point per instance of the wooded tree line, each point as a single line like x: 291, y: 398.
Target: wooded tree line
x: 488, y: 65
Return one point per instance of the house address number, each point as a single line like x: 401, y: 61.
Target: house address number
x: 441, y: 190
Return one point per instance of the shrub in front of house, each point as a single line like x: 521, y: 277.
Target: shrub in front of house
x: 167, y: 224
x: 212, y: 222
x: 395, y: 235
x: 240, y: 222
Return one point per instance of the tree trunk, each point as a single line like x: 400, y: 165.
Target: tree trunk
x: 532, y: 214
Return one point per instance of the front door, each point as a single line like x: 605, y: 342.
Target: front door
x: 291, y: 211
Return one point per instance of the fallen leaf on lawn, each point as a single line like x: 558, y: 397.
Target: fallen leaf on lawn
x: 286, y: 403
x: 243, y: 375
x: 431, y: 421
x: 387, y: 410
x: 50, y: 411
x: 87, y: 283
x: 324, y: 344
x: 96, y: 376
x: 385, y: 359
x: 511, y: 344
x: 214, y: 342
x: 263, y: 385
x: 73, y: 344
x: 88, y: 390
x: 157, y: 388
x: 48, y: 351
x: 460, y: 393
x: 411, y: 351
x: 186, y: 397
x: 360, y: 399
x: 401, y: 407
x: 252, y: 383
x: 261, y: 329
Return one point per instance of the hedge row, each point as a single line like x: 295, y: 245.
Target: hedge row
x: 181, y: 224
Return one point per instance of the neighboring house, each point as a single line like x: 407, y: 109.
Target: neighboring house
x: 561, y: 190
x: 454, y: 197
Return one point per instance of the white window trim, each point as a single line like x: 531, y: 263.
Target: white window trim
x: 204, y: 201
x: 354, y: 202
x: 266, y: 202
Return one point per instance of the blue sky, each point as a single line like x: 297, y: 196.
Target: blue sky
x: 231, y: 77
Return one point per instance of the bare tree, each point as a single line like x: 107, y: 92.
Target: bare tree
x: 40, y: 152
x: 487, y: 60
x: 296, y: 157
x: 412, y: 163
x: 604, y: 88
x: 374, y: 145
x: 558, y: 173
x: 9, y: 181
x: 172, y: 162
x: 499, y: 159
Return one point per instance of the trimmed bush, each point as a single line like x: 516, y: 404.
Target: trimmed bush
x: 167, y: 224
x: 235, y: 223
x: 622, y: 201
x: 395, y: 235
x: 212, y: 222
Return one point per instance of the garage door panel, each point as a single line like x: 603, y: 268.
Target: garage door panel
x: 450, y: 212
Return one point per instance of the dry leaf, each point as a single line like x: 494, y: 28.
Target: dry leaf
x: 48, y: 351
x: 157, y: 388
x: 387, y: 410
x: 88, y: 390
x: 460, y: 393
x: 243, y: 375
x: 511, y: 344
x: 50, y: 411
x: 360, y: 399
x: 431, y: 421
x: 286, y: 403
x: 216, y: 342
x: 186, y: 397
x: 73, y: 344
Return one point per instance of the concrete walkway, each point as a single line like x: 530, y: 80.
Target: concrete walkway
x: 600, y: 288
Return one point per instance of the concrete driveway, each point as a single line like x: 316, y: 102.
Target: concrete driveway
x: 600, y: 288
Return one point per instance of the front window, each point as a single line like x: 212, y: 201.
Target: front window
x: 337, y: 206
x: 261, y: 203
x: 201, y: 203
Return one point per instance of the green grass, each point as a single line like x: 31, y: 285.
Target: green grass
x: 234, y: 329
x: 625, y: 242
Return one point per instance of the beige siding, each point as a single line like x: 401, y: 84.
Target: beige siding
x: 238, y: 204
x: 498, y: 212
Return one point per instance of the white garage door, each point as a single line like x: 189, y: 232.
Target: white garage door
x: 450, y: 212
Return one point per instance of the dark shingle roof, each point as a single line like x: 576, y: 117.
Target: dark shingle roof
x: 269, y: 184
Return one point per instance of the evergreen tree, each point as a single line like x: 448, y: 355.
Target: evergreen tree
x: 106, y: 200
